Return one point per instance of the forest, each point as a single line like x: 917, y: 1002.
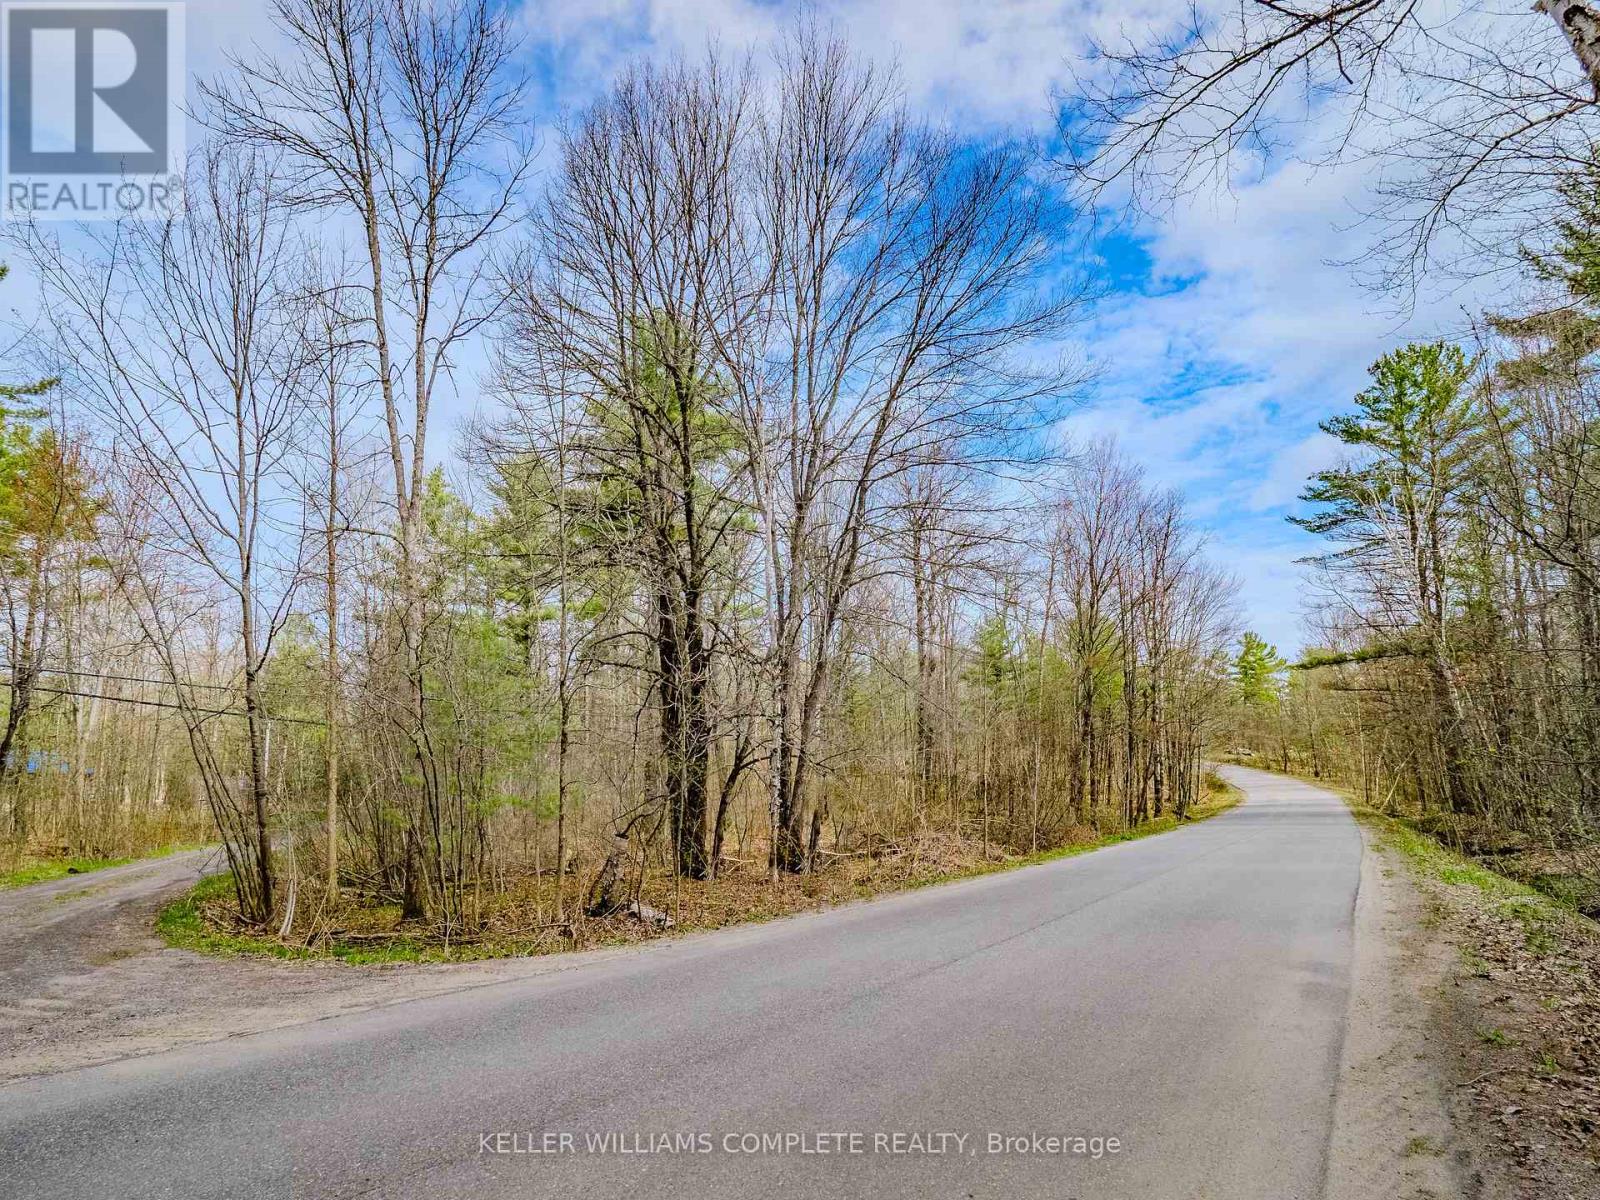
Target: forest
x: 758, y: 570
x: 678, y: 599
x: 1457, y: 677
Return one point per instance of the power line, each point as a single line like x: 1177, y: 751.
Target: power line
x: 210, y: 712
x: 215, y: 687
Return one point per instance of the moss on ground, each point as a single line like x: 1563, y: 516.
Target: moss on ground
x: 191, y: 923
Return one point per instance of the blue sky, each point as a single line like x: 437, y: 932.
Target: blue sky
x: 1226, y: 331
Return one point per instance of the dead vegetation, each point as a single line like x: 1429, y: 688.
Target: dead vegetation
x: 520, y: 918
x: 1525, y: 1003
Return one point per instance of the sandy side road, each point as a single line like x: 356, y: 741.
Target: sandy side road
x: 85, y: 980
x: 60, y: 943
x: 1186, y: 994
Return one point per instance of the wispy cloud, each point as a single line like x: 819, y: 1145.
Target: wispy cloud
x: 1228, y: 330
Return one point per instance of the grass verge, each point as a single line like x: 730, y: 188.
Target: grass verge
x: 1222, y: 799
x: 35, y: 869
x: 199, y: 920
x: 1541, y: 917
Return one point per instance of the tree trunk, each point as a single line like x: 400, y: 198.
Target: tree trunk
x: 1580, y: 21
x: 605, y: 895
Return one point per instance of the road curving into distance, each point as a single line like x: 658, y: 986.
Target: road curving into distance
x: 1160, y: 1019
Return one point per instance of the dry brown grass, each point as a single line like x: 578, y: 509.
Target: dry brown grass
x: 519, y: 915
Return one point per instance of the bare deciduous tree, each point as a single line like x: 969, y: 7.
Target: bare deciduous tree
x: 907, y: 270
x: 1464, y: 118
x: 398, y: 115
x: 181, y: 337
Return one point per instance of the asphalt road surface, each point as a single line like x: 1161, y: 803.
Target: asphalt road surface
x: 1184, y: 995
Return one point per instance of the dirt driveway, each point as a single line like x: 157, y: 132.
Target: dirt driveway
x: 84, y: 979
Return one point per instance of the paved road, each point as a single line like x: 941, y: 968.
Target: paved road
x: 1184, y: 994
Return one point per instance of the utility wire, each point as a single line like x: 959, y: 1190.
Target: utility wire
x: 210, y: 712
x: 215, y: 687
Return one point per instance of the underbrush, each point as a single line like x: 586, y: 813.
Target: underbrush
x: 519, y: 919
x: 1540, y: 916
x: 1533, y: 963
x: 1569, y: 875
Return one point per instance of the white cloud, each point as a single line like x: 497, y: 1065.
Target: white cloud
x: 963, y: 61
x: 1217, y: 381
x: 1218, y: 386
x: 1292, y: 466
x: 1276, y: 594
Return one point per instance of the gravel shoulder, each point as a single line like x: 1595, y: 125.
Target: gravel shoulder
x: 1393, y: 1136
x: 1520, y: 1013
x: 1471, y: 1066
